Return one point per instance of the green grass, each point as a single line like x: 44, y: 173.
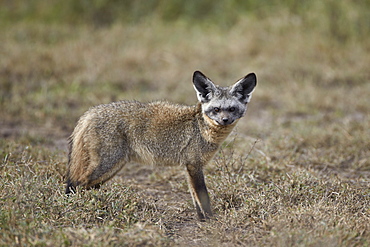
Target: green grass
x: 295, y: 172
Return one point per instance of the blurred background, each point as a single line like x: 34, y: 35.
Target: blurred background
x: 58, y: 58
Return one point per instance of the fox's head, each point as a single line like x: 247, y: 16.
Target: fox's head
x: 224, y: 105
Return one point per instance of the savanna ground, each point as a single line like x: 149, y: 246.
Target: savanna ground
x: 295, y: 172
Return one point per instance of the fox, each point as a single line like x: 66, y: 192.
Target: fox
x: 108, y: 136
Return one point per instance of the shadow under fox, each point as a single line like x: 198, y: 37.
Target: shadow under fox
x: 109, y: 136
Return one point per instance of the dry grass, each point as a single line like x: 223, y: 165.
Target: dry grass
x: 295, y: 173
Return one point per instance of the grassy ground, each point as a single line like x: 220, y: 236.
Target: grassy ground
x: 295, y: 172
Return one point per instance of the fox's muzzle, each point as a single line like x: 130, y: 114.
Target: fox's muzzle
x: 224, y: 120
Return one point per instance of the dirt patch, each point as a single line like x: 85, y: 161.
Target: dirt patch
x: 54, y: 138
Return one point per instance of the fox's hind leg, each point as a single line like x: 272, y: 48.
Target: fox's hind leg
x: 93, y: 161
x: 93, y: 179
x: 71, y: 187
x: 199, y: 192
x: 106, y: 170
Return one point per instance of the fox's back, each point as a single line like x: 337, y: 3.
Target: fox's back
x: 147, y: 120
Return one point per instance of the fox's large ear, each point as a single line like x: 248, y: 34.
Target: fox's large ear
x: 203, y: 86
x: 244, y: 88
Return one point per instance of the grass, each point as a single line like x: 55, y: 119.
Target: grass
x: 295, y: 172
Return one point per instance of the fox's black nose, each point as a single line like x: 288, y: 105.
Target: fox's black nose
x: 225, y: 120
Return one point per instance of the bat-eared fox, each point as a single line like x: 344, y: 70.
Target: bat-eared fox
x: 109, y: 136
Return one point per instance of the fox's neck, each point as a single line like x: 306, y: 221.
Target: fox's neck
x: 211, y: 131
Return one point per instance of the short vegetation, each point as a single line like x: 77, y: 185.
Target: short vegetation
x: 295, y: 172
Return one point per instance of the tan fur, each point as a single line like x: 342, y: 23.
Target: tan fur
x: 109, y: 136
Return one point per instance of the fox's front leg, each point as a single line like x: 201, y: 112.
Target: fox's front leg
x: 199, y: 191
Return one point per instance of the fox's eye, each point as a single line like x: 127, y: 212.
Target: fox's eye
x: 216, y: 109
x: 232, y: 109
